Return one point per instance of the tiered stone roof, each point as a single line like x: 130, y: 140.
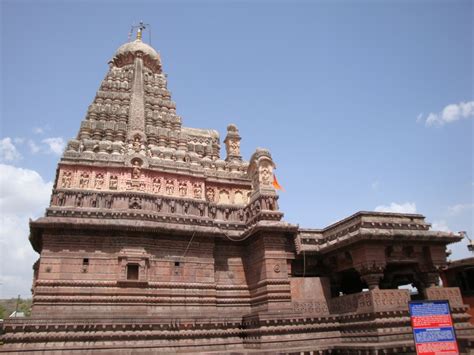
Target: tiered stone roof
x: 133, y: 115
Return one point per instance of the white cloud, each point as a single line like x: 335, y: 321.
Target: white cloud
x: 34, y: 148
x: 407, y: 207
x: 450, y: 113
x: 23, y: 195
x: 55, y: 145
x: 38, y: 130
x: 440, y: 226
x: 8, y: 151
x: 419, y: 118
x: 460, y: 208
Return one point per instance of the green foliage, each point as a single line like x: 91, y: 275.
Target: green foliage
x: 8, y: 306
x: 3, y: 311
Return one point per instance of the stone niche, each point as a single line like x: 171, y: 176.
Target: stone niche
x: 133, y: 267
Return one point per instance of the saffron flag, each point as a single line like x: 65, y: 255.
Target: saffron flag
x: 276, y: 185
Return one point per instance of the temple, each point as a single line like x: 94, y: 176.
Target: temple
x: 156, y: 240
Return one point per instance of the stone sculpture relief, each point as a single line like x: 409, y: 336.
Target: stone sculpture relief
x: 113, y: 182
x: 66, y: 179
x: 224, y: 196
x: 197, y: 190
x: 210, y: 194
x: 136, y: 171
x: 183, y: 188
x: 84, y: 180
x: 169, y: 187
x: 156, y: 185
x: 99, y: 181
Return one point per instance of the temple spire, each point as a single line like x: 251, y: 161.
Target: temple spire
x: 140, y: 27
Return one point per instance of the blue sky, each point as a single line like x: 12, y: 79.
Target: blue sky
x: 364, y: 104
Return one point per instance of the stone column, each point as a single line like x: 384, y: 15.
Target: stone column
x: 371, y: 275
x: 232, y: 144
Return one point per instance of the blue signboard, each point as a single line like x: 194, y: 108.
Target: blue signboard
x: 433, y: 328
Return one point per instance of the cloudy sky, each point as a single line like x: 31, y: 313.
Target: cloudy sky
x: 365, y: 105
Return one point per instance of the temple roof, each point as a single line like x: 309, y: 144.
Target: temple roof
x: 133, y: 115
x: 137, y: 46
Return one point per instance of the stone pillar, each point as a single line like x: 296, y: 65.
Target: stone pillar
x: 232, y: 144
x: 429, y: 279
x: 372, y: 274
x: 261, y: 172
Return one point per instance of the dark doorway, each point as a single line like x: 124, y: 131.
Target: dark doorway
x: 132, y: 272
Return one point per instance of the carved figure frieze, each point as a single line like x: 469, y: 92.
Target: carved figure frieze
x: 136, y: 185
x: 224, y: 196
x: 183, y: 188
x: 159, y: 204
x: 197, y: 190
x: 93, y: 200
x: 136, y: 170
x: 66, y: 179
x: 265, y: 175
x: 108, y: 201
x: 113, y: 182
x: 99, y: 181
x: 135, y: 203
x: 84, y: 180
x: 156, y: 185
x: 186, y: 207
x: 210, y: 194
x: 212, y: 212
x: 61, y: 199
x: 201, y: 208
x: 79, y: 200
x: 169, y: 187
x: 136, y: 145
x: 234, y: 147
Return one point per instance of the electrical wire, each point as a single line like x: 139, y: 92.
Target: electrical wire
x: 189, y: 244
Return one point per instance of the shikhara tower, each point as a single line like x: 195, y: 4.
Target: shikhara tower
x: 154, y: 241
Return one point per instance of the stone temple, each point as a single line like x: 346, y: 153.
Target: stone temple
x: 155, y: 241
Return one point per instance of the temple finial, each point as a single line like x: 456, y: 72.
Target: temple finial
x: 140, y: 27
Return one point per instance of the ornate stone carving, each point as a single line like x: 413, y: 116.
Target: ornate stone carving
x: 113, y: 182
x: 159, y: 204
x: 66, y: 179
x: 136, y: 170
x: 99, y: 181
x: 261, y: 172
x: 135, y: 203
x: 212, y: 211
x: 224, y: 196
x: 156, y: 185
x: 108, y: 201
x: 210, y: 194
x: 61, y: 199
x: 183, y: 188
x: 170, y: 187
x: 201, y: 208
x: 79, y: 200
x: 84, y: 180
x: 197, y: 190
